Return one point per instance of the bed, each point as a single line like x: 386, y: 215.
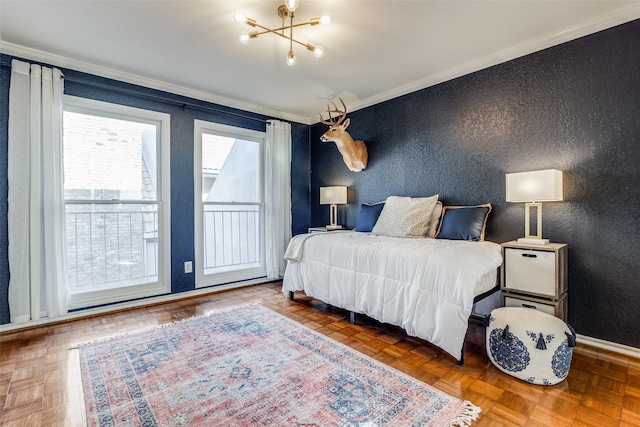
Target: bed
x: 425, y: 285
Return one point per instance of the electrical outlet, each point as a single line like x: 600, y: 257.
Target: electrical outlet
x: 188, y: 267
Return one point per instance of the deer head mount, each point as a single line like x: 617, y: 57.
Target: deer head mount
x: 354, y: 153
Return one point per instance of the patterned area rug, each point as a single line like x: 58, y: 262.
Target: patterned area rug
x: 251, y: 366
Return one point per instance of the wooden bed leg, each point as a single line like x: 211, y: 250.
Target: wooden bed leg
x: 461, y: 361
x: 290, y: 296
x: 352, y: 317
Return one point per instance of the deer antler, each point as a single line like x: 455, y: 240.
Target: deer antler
x: 341, y: 114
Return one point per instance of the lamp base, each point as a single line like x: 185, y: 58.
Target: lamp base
x: 333, y: 227
x: 526, y: 241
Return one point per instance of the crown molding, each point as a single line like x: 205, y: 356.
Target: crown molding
x: 618, y: 17
x: 127, y: 77
x: 585, y: 28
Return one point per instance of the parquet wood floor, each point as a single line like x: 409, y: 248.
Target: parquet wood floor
x: 40, y: 381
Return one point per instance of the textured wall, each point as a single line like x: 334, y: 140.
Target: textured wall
x: 181, y: 152
x: 573, y: 107
x: 4, y: 193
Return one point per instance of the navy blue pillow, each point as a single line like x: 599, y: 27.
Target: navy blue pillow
x: 464, y: 222
x: 368, y: 216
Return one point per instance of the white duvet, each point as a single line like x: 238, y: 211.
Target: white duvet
x: 425, y: 286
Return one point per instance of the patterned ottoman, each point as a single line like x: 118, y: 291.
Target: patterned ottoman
x: 530, y: 345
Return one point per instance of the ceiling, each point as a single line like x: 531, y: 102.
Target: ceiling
x: 375, y: 50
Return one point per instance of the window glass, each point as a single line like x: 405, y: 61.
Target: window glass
x: 230, y: 213
x: 115, y: 161
x: 108, y: 159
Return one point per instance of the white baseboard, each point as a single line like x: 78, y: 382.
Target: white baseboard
x: 130, y: 304
x: 582, y: 339
x: 608, y: 345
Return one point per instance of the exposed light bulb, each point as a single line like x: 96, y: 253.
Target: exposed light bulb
x: 325, y: 18
x: 292, y: 5
x: 318, y: 52
x: 239, y: 17
x: 244, y: 37
x: 291, y: 59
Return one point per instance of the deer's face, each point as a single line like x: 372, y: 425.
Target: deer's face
x: 335, y: 132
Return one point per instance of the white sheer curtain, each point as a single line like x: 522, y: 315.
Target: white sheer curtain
x: 277, y: 196
x: 37, y: 283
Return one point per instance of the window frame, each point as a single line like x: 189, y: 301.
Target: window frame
x: 202, y: 280
x: 163, y: 200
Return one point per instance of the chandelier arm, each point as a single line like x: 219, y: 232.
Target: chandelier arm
x: 299, y: 42
x: 272, y: 31
x: 281, y: 35
x: 269, y: 30
x: 300, y: 24
x: 291, y: 32
x: 266, y: 30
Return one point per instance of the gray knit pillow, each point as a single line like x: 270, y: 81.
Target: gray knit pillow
x: 405, y: 216
x: 434, y: 221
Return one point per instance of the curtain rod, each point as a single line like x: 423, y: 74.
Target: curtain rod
x: 152, y: 97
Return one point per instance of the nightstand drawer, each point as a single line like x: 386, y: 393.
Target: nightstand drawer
x: 558, y: 309
x: 530, y: 271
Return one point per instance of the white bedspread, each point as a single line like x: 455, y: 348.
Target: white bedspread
x: 425, y: 286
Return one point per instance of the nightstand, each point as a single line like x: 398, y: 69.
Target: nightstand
x: 535, y: 276
x: 322, y: 229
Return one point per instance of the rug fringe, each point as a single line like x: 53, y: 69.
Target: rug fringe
x: 163, y: 325
x: 468, y: 415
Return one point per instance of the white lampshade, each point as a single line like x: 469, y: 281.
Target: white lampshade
x: 336, y: 195
x: 535, y: 186
x: 532, y: 188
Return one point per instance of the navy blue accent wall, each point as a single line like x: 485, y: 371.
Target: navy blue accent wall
x: 181, y: 152
x: 4, y: 230
x: 300, y: 179
x: 573, y: 107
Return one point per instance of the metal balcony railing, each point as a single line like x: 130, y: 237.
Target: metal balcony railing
x: 231, y: 236
x: 116, y: 245
x: 110, y: 245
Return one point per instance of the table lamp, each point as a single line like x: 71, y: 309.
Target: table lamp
x: 333, y: 196
x: 533, y: 188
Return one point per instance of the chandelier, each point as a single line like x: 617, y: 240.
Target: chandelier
x: 287, y: 10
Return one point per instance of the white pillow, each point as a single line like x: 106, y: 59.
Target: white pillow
x: 405, y: 216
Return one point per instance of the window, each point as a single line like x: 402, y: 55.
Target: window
x: 116, y: 188
x: 229, y: 212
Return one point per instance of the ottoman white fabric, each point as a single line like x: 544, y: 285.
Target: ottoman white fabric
x: 530, y: 345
